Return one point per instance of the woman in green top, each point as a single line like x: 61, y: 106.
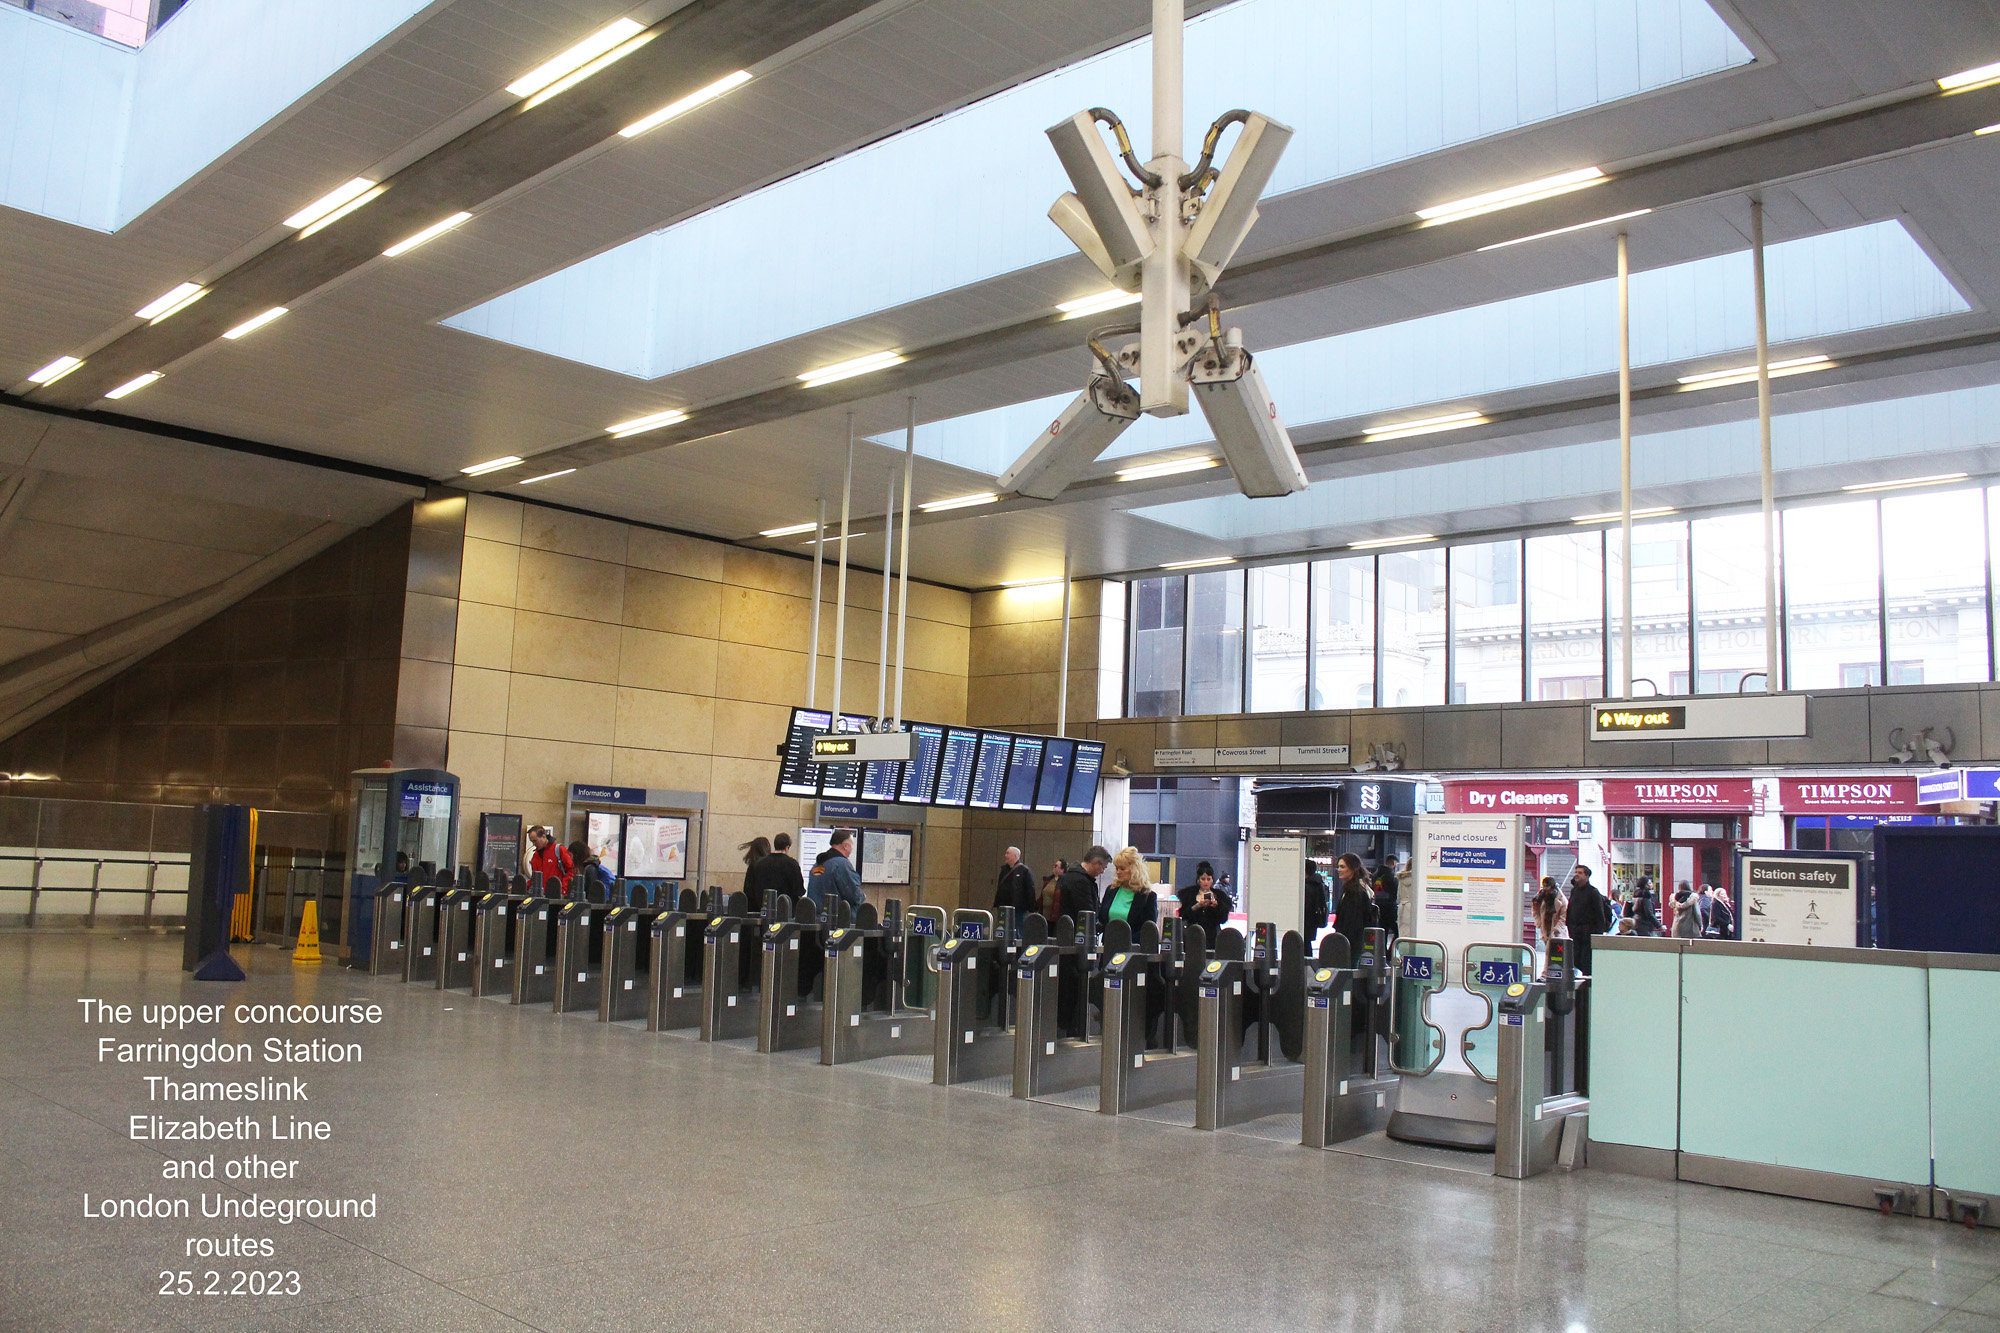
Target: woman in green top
x: 1131, y: 899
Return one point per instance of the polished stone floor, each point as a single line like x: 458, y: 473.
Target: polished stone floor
x: 545, y: 1173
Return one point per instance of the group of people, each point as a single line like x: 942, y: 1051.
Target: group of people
x: 1071, y: 890
x: 1356, y: 902
x: 559, y: 865
x: 770, y: 868
x: 1580, y: 910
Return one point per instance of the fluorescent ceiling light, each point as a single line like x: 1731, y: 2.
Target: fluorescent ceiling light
x: 436, y: 229
x: 1197, y: 564
x: 1399, y: 430
x: 490, y: 465
x: 640, y: 425
x: 1618, y: 515
x: 255, y: 322
x: 1111, y: 299
x: 1391, y: 541
x: 175, y: 301
x: 1178, y: 465
x: 790, y: 530
x: 1966, y: 80
x: 315, y: 227
x: 339, y: 198
x: 1937, y: 480
x: 1054, y: 581
x: 1712, y: 379
x: 673, y: 110
x: 847, y: 370
x: 1564, y: 231
x: 1988, y: 129
x: 55, y: 370
x: 960, y: 502
x: 547, y: 476
x: 133, y: 385
x: 1514, y: 195
x: 834, y: 537
x: 579, y: 62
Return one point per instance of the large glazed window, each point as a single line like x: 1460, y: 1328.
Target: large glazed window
x: 1729, y: 603
x: 1833, y: 625
x: 1159, y: 615
x: 1566, y: 616
x: 1934, y: 577
x: 1343, y: 632
x: 1486, y: 623
x: 1278, y: 638
x: 1660, y: 663
x: 1412, y: 588
x: 1215, y: 642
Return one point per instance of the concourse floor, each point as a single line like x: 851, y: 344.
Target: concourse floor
x: 550, y: 1173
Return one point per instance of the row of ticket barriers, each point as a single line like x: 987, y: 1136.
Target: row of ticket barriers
x: 1232, y: 1031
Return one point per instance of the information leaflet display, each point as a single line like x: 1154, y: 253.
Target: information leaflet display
x: 656, y: 847
x: 603, y: 833
x: 989, y: 775
x: 1024, y: 767
x: 954, y: 781
x: 1468, y: 877
x: 798, y: 776
x: 883, y: 781
x: 842, y: 782
x: 1275, y: 883
x: 1083, y: 774
x: 920, y: 774
x: 1054, y: 789
x: 1799, y: 899
x: 813, y: 841
x: 885, y: 855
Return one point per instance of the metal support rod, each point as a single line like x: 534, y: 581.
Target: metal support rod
x: 1765, y: 474
x: 1625, y: 462
x: 888, y: 565
x: 152, y: 872
x: 1164, y: 275
x: 96, y: 877
x: 1168, y: 19
x: 840, y: 586
x: 1062, y: 670
x: 903, y: 600
x: 812, y: 649
x: 35, y: 893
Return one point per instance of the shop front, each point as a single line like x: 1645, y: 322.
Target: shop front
x: 1674, y: 829
x: 1370, y: 817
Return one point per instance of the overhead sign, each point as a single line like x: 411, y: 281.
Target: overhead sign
x: 877, y: 747
x: 608, y: 795
x: 1184, y: 758
x: 1939, y: 788
x: 1509, y: 798
x: 1708, y: 717
x: 1314, y: 756
x: 1851, y: 796
x: 1248, y: 755
x: 1799, y: 900
x: 1684, y: 795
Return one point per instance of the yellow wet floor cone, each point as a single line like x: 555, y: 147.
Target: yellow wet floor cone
x: 308, y: 950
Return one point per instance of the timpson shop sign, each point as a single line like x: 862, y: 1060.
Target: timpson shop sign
x: 1849, y: 796
x: 1728, y: 795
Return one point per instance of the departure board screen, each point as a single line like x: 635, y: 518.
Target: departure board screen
x: 883, y: 780
x: 920, y: 774
x: 842, y: 782
x: 797, y: 774
x: 989, y: 775
x: 954, y: 782
x: 1023, y: 768
x: 1083, y: 775
x: 1056, y: 756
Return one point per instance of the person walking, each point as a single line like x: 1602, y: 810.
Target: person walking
x: 1132, y: 899
x: 793, y: 880
x: 1318, y: 900
x: 1388, y: 891
x: 1076, y: 888
x: 836, y: 876
x: 1721, y: 917
x: 1687, y: 913
x: 1016, y: 887
x: 1356, y: 910
x: 1645, y: 908
x: 1587, y: 914
x: 1549, y: 906
x: 550, y: 860
x: 591, y: 878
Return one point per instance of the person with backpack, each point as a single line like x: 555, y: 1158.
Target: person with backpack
x: 551, y: 860
x: 1588, y: 913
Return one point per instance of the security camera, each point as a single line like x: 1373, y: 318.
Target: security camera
x: 1230, y: 208
x: 1074, y: 440
x: 1103, y: 199
x: 1239, y: 408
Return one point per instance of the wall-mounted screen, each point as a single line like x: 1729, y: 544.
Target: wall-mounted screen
x: 961, y: 752
x: 603, y: 834
x: 797, y: 775
x: 656, y: 847
x: 1056, y: 756
x: 989, y: 774
x: 883, y: 780
x: 1084, y: 772
x: 1023, y: 768
x: 920, y: 774
x: 842, y: 782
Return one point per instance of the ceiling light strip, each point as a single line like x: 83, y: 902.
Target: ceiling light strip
x: 340, y: 197
x: 640, y: 425
x: 1938, y: 479
x: 1374, y: 543
x: 573, y: 59
x: 314, y: 228
x: 430, y: 233
x: 1548, y: 187
x: 1564, y: 231
x: 1400, y: 430
x: 790, y: 530
x: 1200, y: 564
x: 491, y: 465
x: 960, y: 502
x: 172, y: 303
x: 847, y: 370
x: 547, y: 476
x: 1966, y: 80
x: 133, y: 385
x: 1147, y: 471
x: 1618, y: 515
x: 55, y: 370
x: 675, y: 110
x: 256, y: 322
x: 1714, y: 379
x: 1097, y: 303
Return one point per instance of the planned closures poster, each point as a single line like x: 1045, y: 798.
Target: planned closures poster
x: 1468, y: 877
x: 1796, y: 900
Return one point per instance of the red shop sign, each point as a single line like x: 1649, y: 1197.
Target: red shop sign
x: 1510, y: 798
x: 1732, y: 795
x: 1849, y: 796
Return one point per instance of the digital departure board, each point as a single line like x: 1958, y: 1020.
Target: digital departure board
x: 1084, y: 772
x: 1024, y: 767
x: 1056, y: 756
x: 954, y: 781
x: 920, y: 774
x: 842, y: 782
x: 798, y: 776
x: 989, y: 775
x: 883, y: 781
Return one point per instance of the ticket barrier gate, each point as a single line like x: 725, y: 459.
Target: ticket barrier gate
x: 496, y: 938
x: 1131, y: 1075
x: 1347, y: 1091
x: 628, y: 959
x: 864, y: 1016
x: 385, y: 953
x: 1249, y: 1066
x: 424, y: 942
x: 678, y: 956
x: 580, y: 951
x: 1447, y: 1094
x: 728, y: 1003
x: 1054, y: 1048
x: 1540, y: 1123
x: 788, y: 1015
x: 535, y: 959
x: 969, y: 1038
x: 459, y: 963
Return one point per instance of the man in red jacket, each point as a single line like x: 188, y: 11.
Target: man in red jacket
x: 551, y: 860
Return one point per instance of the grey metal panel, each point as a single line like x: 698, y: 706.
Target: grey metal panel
x: 1797, y: 1182
x: 1989, y: 727
x: 1810, y: 953
x: 1185, y: 733
x: 1316, y: 728
x: 1640, y: 943
x: 1839, y: 726
x: 1964, y: 962
x: 1543, y: 737
x: 430, y: 627
x: 1913, y: 710
x: 1248, y: 731
x: 1623, y: 754
x: 1629, y: 1159
x: 1133, y: 738
x: 1461, y: 738
x: 1718, y: 754
x: 1402, y: 728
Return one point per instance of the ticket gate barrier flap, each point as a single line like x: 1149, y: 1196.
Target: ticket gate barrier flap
x: 678, y: 939
x: 495, y: 943
x: 968, y: 1040
x: 535, y: 958
x: 1235, y: 1084
x: 1531, y: 1126
x: 729, y: 1006
x: 458, y: 965
x: 386, y: 949
x: 628, y: 959
x: 850, y: 1029
x: 1489, y: 970
x: 420, y: 955
x: 1439, y: 1099
x: 1049, y: 1057
x: 580, y: 955
x: 788, y: 1012
x: 1130, y: 1076
x: 1343, y: 1100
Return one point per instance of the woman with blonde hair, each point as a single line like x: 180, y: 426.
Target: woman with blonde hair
x: 1131, y: 899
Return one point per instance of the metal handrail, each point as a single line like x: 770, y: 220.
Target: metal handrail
x: 97, y: 889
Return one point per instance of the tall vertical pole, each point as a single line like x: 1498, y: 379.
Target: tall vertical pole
x: 888, y: 564
x: 840, y: 586
x: 812, y: 652
x: 1625, y: 460
x: 1062, y: 671
x: 1765, y: 474
x: 903, y: 606
x: 1163, y: 278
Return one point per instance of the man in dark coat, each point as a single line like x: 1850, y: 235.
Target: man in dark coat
x: 1319, y: 903
x: 1076, y: 893
x: 1016, y: 888
x: 1589, y: 914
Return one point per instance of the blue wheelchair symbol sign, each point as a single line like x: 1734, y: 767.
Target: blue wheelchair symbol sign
x: 923, y: 925
x: 971, y: 930
x: 1494, y: 972
x: 1416, y: 968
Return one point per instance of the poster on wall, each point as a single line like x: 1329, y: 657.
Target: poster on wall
x: 885, y: 855
x: 604, y: 837
x: 1467, y: 868
x: 1275, y: 883
x: 813, y: 841
x: 1798, y: 899
x: 499, y: 844
x: 656, y: 847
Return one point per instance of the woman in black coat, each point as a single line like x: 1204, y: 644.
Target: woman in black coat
x: 1205, y: 905
x: 1356, y: 910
